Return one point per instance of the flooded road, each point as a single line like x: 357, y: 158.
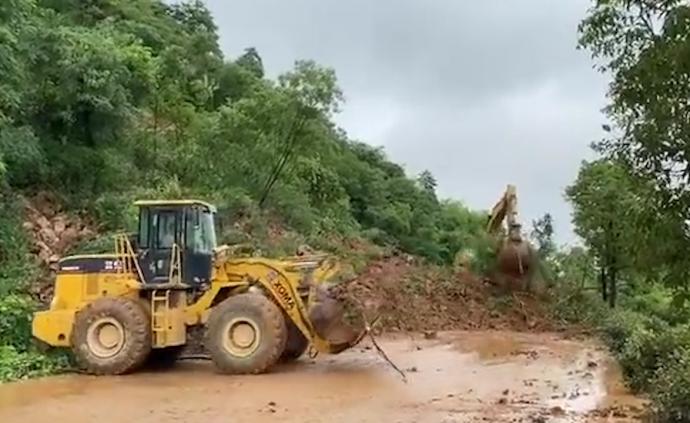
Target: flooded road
x: 455, y: 377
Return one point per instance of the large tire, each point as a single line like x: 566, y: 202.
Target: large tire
x: 296, y: 344
x: 111, y: 336
x: 245, y: 334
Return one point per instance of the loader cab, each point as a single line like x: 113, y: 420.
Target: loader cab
x: 176, y: 241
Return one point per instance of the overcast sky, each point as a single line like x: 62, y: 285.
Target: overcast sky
x: 482, y: 93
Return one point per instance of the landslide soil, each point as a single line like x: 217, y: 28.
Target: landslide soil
x: 497, y: 376
x: 413, y: 297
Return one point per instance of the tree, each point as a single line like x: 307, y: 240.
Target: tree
x: 251, y: 62
x: 15, y: 21
x: 644, y: 45
x: 428, y: 182
x: 605, y: 208
x: 312, y: 94
x: 542, y: 233
x: 87, y: 83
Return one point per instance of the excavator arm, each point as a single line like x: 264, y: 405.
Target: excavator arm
x: 505, y: 209
x: 514, y: 257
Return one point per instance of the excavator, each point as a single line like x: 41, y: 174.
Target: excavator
x: 515, y: 257
x: 140, y: 303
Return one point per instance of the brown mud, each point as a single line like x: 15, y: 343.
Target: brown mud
x: 413, y: 297
x: 497, y: 376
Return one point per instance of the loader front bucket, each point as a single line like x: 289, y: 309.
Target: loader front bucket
x: 335, y: 318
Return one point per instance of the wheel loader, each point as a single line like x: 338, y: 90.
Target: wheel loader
x: 140, y: 303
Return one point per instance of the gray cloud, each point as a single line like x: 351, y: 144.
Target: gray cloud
x: 482, y: 93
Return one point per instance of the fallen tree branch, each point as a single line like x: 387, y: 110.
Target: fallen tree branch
x: 382, y: 353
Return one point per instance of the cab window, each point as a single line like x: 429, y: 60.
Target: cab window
x: 200, y: 234
x: 144, y: 228
x: 165, y: 229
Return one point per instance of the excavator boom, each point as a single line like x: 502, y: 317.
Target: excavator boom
x: 504, y: 209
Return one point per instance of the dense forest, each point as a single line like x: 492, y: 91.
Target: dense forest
x: 105, y: 101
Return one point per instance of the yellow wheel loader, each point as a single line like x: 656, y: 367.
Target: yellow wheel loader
x: 139, y: 304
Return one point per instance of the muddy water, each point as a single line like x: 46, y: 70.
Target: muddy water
x: 456, y: 377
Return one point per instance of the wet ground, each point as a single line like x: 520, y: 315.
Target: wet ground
x: 454, y: 377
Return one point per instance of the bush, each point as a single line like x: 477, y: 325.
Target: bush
x: 671, y: 394
x: 649, y: 349
x: 16, y: 364
x: 620, y: 325
x: 293, y: 207
x: 103, y: 244
x: 16, y: 264
x: 114, y: 212
x: 658, y: 301
x: 15, y: 321
x: 24, y: 160
x: 574, y: 305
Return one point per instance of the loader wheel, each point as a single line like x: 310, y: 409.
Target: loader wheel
x: 111, y: 336
x: 296, y: 343
x: 245, y: 334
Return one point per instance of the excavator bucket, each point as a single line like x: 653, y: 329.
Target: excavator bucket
x: 515, y: 259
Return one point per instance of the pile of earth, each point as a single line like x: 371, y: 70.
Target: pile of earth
x: 412, y: 297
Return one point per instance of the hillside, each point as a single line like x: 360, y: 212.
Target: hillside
x: 106, y: 102
x: 122, y: 100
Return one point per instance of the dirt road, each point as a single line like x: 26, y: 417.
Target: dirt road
x: 456, y: 377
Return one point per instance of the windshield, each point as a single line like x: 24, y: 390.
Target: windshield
x: 203, y: 233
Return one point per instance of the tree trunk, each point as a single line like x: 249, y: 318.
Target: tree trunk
x: 613, y: 284
x: 602, y: 280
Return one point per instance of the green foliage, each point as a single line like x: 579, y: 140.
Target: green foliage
x: 653, y: 356
x: 575, y: 306
x: 659, y: 302
x: 604, y: 199
x: 647, y: 350
x: 620, y: 326
x: 644, y: 45
x: 671, y: 396
x: 16, y: 364
x: 643, y: 182
x: 542, y: 233
x: 15, y: 326
x: 16, y: 265
x: 25, y: 163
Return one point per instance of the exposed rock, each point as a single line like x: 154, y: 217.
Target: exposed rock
x: 53, y: 233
